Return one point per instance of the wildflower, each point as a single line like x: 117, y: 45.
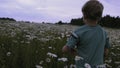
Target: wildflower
x: 36, y: 51
x: 62, y: 59
x: 109, y: 66
x: 50, y: 47
x: 59, y: 37
x: 72, y: 66
x: 8, y: 53
x: 41, y: 62
x: 118, y: 66
x: 118, y: 48
x: 62, y: 35
x: 67, y: 35
x: 87, y: 65
x: 113, y: 53
x: 118, y: 41
x: 48, y: 60
x: 38, y: 66
x: 108, y: 61
x: 66, y: 66
x: 117, y: 62
x: 43, y: 48
x: 51, y: 54
x: 13, y: 34
x: 22, y: 41
x: 28, y: 42
x: 28, y: 36
x: 78, y: 58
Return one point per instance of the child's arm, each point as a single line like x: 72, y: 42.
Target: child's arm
x: 70, y: 45
x: 106, y: 51
x: 107, y: 46
x: 67, y: 49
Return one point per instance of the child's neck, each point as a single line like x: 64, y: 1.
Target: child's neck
x: 91, y: 23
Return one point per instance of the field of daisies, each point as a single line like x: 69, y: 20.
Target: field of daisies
x: 35, y: 45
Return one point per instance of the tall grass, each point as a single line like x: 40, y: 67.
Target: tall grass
x: 25, y: 45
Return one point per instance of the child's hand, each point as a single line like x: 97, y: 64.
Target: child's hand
x: 73, y: 52
x: 106, y: 51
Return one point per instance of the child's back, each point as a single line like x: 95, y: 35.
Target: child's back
x: 90, y: 44
x: 91, y: 40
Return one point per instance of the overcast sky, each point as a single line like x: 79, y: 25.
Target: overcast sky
x: 51, y: 10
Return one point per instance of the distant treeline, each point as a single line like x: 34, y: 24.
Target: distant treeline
x: 7, y: 19
x: 106, y: 21
x: 11, y: 20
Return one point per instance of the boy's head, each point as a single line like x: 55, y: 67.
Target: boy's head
x: 92, y: 10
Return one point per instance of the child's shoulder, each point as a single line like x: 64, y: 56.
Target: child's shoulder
x: 81, y: 30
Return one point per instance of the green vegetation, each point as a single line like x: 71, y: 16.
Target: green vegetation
x: 33, y: 45
x: 25, y: 45
x: 106, y: 21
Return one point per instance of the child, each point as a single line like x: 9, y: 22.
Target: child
x: 90, y: 40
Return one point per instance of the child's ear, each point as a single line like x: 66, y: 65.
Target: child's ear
x: 84, y: 16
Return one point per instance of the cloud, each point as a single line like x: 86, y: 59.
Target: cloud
x: 51, y: 10
x: 9, y: 5
x: 26, y: 2
x: 63, y: 8
x: 111, y: 7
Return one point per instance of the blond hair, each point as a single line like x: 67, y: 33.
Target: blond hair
x: 92, y: 10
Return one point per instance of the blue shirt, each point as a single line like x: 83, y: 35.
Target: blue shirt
x: 90, y: 42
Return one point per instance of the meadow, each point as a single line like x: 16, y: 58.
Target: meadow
x: 35, y: 45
